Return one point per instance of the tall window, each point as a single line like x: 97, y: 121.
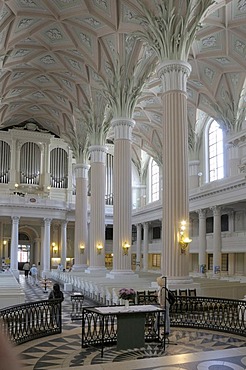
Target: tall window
x: 155, y: 179
x: 216, y: 153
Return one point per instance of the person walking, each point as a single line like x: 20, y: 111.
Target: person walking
x: 34, y: 274
x: 26, y: 268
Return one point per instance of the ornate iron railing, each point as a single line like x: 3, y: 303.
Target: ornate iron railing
x: 228, y: 315
x: 33, y: 320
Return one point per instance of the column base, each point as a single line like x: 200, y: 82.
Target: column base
x: 46, y: 274
x: 15, y: 273
x: 119, y: 274
x: 98, y: 270
x: 79, y: 267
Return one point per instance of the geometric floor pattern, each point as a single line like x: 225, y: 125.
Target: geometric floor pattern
x: 64, y: 350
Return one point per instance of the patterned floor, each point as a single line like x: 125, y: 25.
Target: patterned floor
x: 64, y: 350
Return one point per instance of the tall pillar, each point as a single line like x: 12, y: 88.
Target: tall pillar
x: 14, y: 246
x: 46, y: 248
x: 174, y: 74
x: 146, y: 247
x: 217, y: 239
x: 193, y: 174
x: 81, y: 244
x: 139, y: 240
x: 97, y: 215
x: 63, y: 243
x: 233, y: 160
x: 37, y: 253
x: 122, y: 187
x: 202, y: 259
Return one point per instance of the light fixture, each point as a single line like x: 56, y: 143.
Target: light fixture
x: 16, y: 186
x: 184, y: 240
x: 126, y: 247
x: 55, y: 248
x: 82, y: 248
x: 5, y: 242
x: 99, y: 248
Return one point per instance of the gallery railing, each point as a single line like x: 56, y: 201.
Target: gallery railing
x: 29, y: 321
x: 218, y: 314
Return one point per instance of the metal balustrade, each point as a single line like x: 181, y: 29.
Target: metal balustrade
x: 33, y: 320
x: 219, y: 314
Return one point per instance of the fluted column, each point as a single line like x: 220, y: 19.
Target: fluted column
x: 122, y: 186
x: 174, y: 74
x: 63, y: 243
x: 81, y: 243
x: 139, y: 240
x: 202, y: 240
x: 97, y: 215
x: 233, y: 160
x: 146, y: 247
x: 194, y: 180
x: 217, y: 239
x: 14, y: 246
x: 46, y: 248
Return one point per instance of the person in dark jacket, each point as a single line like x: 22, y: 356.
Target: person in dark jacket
x: 55, y: 309
x: 56, y: 292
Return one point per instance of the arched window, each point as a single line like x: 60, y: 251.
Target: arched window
x: 215, y: 152
x: 154, y: 181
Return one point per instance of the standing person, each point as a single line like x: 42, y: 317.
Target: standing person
x: 55, y: 312
x: 34, y: 274
x: 26, y: 268
x: 163, y: 301
x: 60, y: 267
x: 56, y: 292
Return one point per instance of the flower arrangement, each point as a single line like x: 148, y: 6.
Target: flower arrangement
x: 127, y: 293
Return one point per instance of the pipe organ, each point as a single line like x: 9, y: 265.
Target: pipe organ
x: 109, y: 179
x: 30, y: 161
x: 58, y: 168
x: 4, y: 162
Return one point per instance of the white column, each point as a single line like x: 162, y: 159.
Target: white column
x: 217, y: 239
x: 63, y: 243
x: 202, y: 240
x: 81, y: 244
x: 46, y: 248
x: 233, y: 160
x: 231, y: 267
x: 231, y: 216
x: 97, y: 215
x: 122, y: 187
x: 193, y: 174
x: 174, y: 74
x: 14, y: 246
x: 37, y: 253
x: 139, y: 240
x: 146, y: 247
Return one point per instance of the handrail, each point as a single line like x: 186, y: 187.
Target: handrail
x: 219, y: 314
x: 28, y: 321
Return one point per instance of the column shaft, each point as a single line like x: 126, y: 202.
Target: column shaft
x: 202, y: 238
x: 14, y: 245
x: 217, y: 239
x: 81, y: 229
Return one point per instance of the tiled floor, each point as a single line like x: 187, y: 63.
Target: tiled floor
x: 188, y: 349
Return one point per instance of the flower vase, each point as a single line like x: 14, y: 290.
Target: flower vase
x: 126, y: 303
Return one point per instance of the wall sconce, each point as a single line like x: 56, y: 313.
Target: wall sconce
x: 126, y: 247
x: 55, y: 248
x: 99, y: 248
x: 184, y: 240
x: 16, y: 186
x: 82, y: 248
x: 5, y: 242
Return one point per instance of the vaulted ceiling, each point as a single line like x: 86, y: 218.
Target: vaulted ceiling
x: 51, y: 49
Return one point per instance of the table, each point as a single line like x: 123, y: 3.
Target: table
x: 128, y: 327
